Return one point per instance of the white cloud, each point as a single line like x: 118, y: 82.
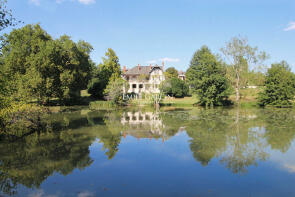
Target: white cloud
x: 86, y: 2
x: 167, y: 59
x: 291, y: 26
x: 36, y: 2
x: 164, y: 59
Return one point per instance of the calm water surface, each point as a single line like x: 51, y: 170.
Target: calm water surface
x: 172, y: 152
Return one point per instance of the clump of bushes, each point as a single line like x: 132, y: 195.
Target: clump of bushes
x: 21, y: 119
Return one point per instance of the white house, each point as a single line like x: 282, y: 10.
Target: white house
x: 143, y: 79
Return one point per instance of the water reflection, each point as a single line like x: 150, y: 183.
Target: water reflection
x: 237, y: 138
x: 143, y: 124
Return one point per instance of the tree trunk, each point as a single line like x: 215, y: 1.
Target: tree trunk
x: 238, y: 89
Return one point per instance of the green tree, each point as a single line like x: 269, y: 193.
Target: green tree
x: 171, y: 73
x: 240, y: 55
x: 174, y: 87
x: 279, y: 86
x: 114, y: 91
x: 108, y: 70
x: 38, y: 67
x: 206, y: 76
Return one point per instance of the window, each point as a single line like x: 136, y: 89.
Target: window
x: 140, y: 86
x: 133, y: 85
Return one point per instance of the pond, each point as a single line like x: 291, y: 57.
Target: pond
x: 142, y: 152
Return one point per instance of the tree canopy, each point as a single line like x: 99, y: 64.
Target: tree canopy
x: 107, y: 71
x: 240, y: 55
x: 206, y: 76
x: 279, y: 86
x: 39, y: 67
x: 171, y: 72
x: 6, y: 18
x: 174, y: 87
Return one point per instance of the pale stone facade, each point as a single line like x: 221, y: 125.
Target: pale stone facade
x: 143, y: 79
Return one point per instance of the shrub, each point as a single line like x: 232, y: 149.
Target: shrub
x: 279, y: 86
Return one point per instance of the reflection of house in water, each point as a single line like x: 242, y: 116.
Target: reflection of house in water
x: 143, y: 125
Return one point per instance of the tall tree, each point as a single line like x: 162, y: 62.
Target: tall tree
x: 108, y: 70
x: 240, y: 55
x: 41, y: 68
x: 206, y: 76
x: 279, y: 86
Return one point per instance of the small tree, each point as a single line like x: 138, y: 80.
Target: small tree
x: 171, y: 73
x: 279, y: 86
x: 206, y: 76
x: 114, y: 91
x: 174, y: 87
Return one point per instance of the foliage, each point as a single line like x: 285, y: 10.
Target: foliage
x: 206, y: 76
x: 279, y: 86
x: 171, y: 73
x: 256, y: 78
x: 21, y: 119
x: 108, y: 70
x: 38, y: 67
x: 114, y: 91
x: 174, y: 87
x: 240, y: 55
x: 6, y: 18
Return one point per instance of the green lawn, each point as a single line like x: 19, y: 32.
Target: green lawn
x: 180, y: 101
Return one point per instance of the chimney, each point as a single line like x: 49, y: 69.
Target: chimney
x: 138, y: 67
x: 163, y: 65
x: 124, y: 69
x: 150, y: 66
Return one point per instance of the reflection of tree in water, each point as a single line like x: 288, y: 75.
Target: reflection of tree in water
x: 245, y: 143
x: 32, y: 159
x: 238, y: 137
x: 29, y: 161
x: 208, y: 135
x: 111, y: 135
x: 279, y: 128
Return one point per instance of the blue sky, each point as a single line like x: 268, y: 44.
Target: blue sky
x: 144, y: 31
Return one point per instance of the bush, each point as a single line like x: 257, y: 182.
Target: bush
x: 279, y: 86
x: 175, y: 87
x: 21, y: 119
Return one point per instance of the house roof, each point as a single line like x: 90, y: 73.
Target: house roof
x: 138, y: 70
x: 181, y: 73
